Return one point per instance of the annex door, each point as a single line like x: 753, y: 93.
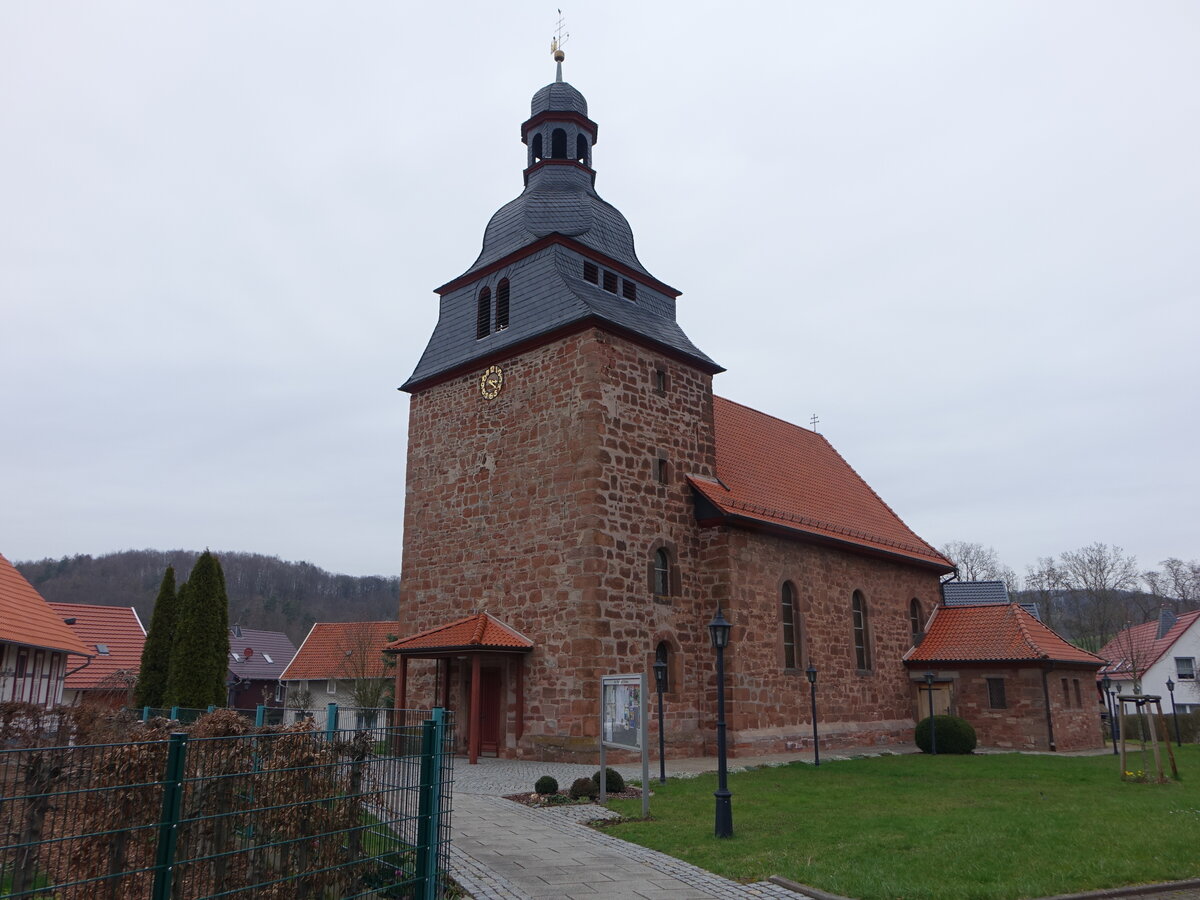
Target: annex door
x: 941, y: 700
x: 491, y: 710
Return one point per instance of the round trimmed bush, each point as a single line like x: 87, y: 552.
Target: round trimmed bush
x: 613, y: 782
x: 547, y: 784
x: 583, y: 787
x: 954, y: 735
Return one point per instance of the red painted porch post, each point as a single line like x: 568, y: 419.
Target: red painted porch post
x: 520, y: 696
x: 473, y: 733
x: 402, y: 684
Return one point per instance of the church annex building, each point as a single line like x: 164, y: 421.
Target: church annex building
x: 579, y: 502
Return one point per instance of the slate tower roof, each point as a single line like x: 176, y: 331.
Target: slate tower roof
x: 556, y: 259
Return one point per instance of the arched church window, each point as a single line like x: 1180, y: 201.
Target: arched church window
x: 788, y: 614
x: 581, y: 149
x: 916, y: 619
x: 662, y: 654
x: 537, y: 147
x: 502, y: 304
x: 862, y: 632
x: 483, y: 313
x: 558, y: 144
x: 661, y: 573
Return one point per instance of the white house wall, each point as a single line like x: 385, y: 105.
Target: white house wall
x: 31, y: 674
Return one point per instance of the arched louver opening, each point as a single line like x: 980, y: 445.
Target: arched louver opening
x: 537, y: 147
x: 483, y: 314
x: 558, y: 144
x: 581, y: 149
x: 502, y: 304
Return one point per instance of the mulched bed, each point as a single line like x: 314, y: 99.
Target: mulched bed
x: 540, y: 800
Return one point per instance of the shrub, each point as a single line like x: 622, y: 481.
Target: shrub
x: 954, y: 735
x: 613, y: 782
x: 547, y: 784
x: 583, y: 787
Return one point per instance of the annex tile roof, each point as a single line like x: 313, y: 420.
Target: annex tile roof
x: 993, y: 633
x: 113, y: 634
x: 26, y: 618
x: 341, y: 650
x: 1142, y: 646
x: 481, y: 631
x: 773, y: 473
x: 259, y: 655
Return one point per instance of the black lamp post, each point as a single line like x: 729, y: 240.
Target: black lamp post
x: 718, y: 631
x: 1106, y: 686
x: 932, y: 720
x: 811, y: 672
x: 660, y: 684
x: 1174, y: 714
x: 1117, y: 725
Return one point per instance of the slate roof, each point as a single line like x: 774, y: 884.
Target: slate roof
x: 271, y: 653
x: 117, y: 628
x: 1141, y: 644
x: 335, y: 650
x: 992, y: 633
x: 559, y: 96
x: 26, y: 618
x: 773, y: 473
x: 967, y: 593
x: 476, y: 632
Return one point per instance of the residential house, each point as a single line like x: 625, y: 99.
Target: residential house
x: 36, y: 645
x: 342, y: 663
x: 115, y: 636
x: 1147, y: 655
x: 257, y: 660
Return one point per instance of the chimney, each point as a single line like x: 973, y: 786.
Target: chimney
x: 1166, y: 621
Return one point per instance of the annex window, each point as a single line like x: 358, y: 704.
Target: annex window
x: 483, y: 313
x: 661, y: 576
x: 610, y: 281
x: 996, y: 697
x: 660, y: 380
x: 1078, y: 695
x: 628, y: 289
x: 591, y: 272
x: 791, y: 630
x: 1066, y: 693
x: 661, y: 470
x: 558, y: 144
x: 662, y: 654
x: 581, y: 149
x: 916, y: 620
x: 502, y: 304
x: 1185, y: 668
x: 862, y: 632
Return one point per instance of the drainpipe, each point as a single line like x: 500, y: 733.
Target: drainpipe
x: 1046, y: 695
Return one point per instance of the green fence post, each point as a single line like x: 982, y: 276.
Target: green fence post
x: 145, y: 714
x: 211, y: 707
x: 172, y: 807
x: 261, y: 716
x: 331, y: 721
x: 429, y: 803
x: 174, y: 713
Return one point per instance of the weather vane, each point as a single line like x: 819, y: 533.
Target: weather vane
x: 814, y: 420
x: 556, y: 43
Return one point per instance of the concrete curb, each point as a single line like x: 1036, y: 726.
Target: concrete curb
x: 806, y: 889
x: 1139, y: 890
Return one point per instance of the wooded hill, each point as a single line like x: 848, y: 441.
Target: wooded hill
x: 264, y: 591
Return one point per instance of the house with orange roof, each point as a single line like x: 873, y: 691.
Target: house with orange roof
x: 115, y: 636
x: 1151, y: 654
x: 342, y: 663
x: 37, y: 648
x: 1017, y: 682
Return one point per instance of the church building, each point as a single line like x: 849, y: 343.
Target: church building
x: 579, y: 504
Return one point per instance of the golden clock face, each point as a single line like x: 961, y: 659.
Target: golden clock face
x: 491, y: 382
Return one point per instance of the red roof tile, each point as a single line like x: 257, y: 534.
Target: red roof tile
x: 341, y: 650
x: 993, y: 633
x: 26, y: 618
x: 117, y: 628
x: 1141, y: 643
x: 775, y: 473
x: 481, y: 630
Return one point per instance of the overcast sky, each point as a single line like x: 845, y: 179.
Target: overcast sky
x: 965, y: 235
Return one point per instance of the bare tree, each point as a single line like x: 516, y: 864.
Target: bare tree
x: 1099, y: 579
x: 1177, y: 585
x: 367, y: 666
x: 975, y: 562
x: 1046, y: 582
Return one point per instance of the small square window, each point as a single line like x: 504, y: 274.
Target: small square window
x: 591, y: 272
x: 660, y: 380
x: 996, y: 698
x: 1185, y: 667
x: 661, y: 470
x: 102, y: 649
x: 628, y: 289
x: 331, y: 686
x: 279, y: 693
x: 610, y: 281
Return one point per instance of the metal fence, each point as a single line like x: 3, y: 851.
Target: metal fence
x: 294, y: 812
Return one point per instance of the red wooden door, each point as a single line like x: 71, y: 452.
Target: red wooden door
x: 490, y: 711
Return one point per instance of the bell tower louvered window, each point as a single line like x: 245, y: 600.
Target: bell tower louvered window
x: 483, y: 313
x: 502, y: 304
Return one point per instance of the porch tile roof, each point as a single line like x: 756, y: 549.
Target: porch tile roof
x: 990, y: 633
x: 480, y: 631
x: 118, y: 628
x: 26, y: 618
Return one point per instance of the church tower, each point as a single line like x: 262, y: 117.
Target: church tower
x: 554, y: 417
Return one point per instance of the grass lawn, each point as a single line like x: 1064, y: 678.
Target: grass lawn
x: 939, y: 827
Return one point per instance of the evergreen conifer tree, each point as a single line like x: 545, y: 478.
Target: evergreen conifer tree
x: 200, y: 656
x: 156, y: 653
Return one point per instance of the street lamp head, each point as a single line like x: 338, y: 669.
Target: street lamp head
x: 718, y: 630
x: 660, y: 675
x: 1170, y: 686
x: 811, y: 672
x: 1105, y: 684
x: 929, y: 676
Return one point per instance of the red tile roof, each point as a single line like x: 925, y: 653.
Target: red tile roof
x: 1141, y: 644
x: 480, y: 631
x: 341, y: 650
x: 777, y: 474
x: 993, y: 633
x: 25, y: 618
x: 118, y: 628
